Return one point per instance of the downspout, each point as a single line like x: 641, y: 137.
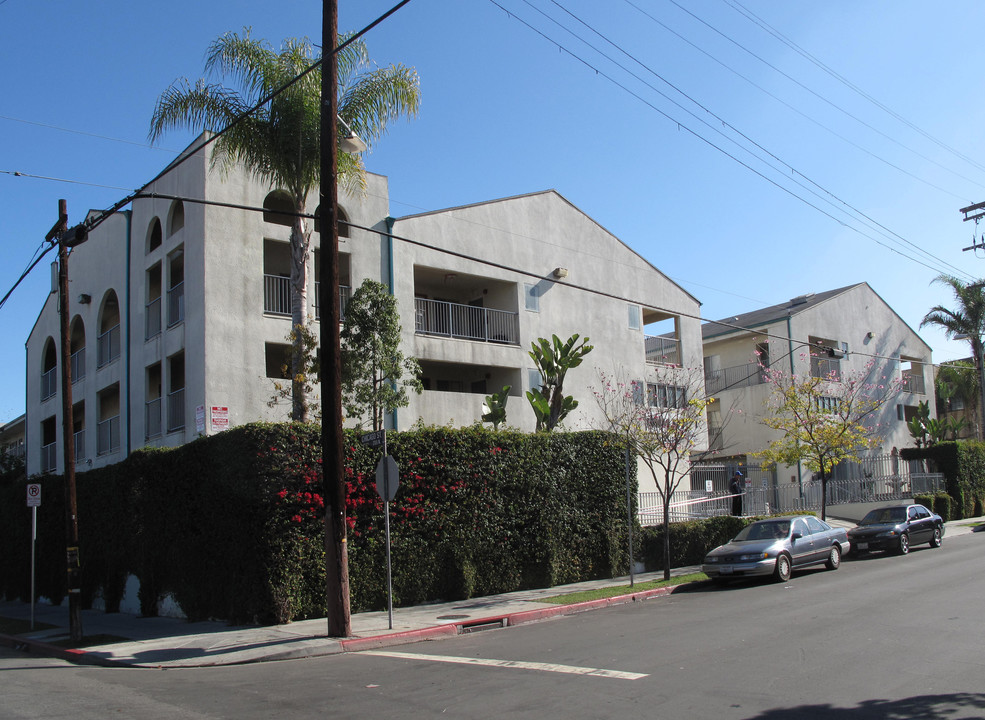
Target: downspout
x: 800, y: 473
x: 126, y: 380
x: 389, y: 280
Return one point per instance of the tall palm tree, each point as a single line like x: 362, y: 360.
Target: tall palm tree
x: 280, y: 142
x: 966, y: 321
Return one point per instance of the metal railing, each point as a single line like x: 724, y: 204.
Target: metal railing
x: 176, y: 410
x: 152, y: 326
x: 734, y: 377
x: 108, y: 435
x: 49, y: 458
x: 152, y: 419
x: 277, y: 295
x: 176, y: 304
x: 345, y: 293
x: 662, y: 350
x: 49, y: 383
x: 108, y: 346
x: 914, y: 384
x: 467, y: 322
x: 825, y: 368
x: 78, y: 365
x: 80, y: 446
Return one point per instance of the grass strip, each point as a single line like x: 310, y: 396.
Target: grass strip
x: 616, y: 590
x: 19, y: 626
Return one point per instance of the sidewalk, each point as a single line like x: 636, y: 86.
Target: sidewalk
x: 173, y: 643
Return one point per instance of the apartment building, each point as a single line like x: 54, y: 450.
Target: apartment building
x: 180, y: 310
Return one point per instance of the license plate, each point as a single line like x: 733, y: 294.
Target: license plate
x: 725, y: 570
x: 863, y: 546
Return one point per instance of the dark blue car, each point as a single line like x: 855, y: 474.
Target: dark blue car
x: 897, y: 528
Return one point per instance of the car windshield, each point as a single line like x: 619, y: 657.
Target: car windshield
x: 765, y: 531
x: 885, y: 515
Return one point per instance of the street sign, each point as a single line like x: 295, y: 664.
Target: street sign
x: 34, y: 495
x: 387, y: 478
x: 373, y: 439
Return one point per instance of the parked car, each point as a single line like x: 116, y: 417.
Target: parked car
x: 776, y: 547
x: 897, y: 527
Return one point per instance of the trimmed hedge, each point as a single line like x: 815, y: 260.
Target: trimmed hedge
x: 963, y: 466
x: 232, y: 525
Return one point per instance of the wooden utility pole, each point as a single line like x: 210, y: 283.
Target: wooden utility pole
x: 336, y: 553
x: 59, y: 232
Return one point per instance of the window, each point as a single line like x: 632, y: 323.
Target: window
x: 154, y: 235
x: 78, y: 349
x: 152, y: 402
x: 534, y: 379
x: 278, y: 208
x: 176, y: 392
x: 108, y: 425
x: 666, y: 396
x: 49, y: 455
x: 49, y: 370
x: 635, y: 317
x: 152, y: 310
x: 828, y: 404
x: 108, y: 341
x: 531, y: 295
x: 177, y: 219
x: 277, y: 360
x: 176, y: 287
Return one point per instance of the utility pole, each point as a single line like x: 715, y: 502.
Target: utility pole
x: 336, y: 553
x: 974, y: 212
x: 66, y: 239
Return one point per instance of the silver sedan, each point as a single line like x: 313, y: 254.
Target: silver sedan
x: 776, y: 547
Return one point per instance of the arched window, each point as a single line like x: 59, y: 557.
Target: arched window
x: 78, y: 333
x: 176, y: 218
x: 108, y: 341
x: 154, y: 235
x: 278, y: 208
x: 49, y: 369
x: 341, y: 219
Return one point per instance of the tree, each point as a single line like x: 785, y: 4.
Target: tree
x: 494, y: 409
x: 553, y: 361
x: 280, y: 142
x: 966, y: 321
x: 372, y: 364
x: 662, y: 425
x: 306, y: 375
x: 956, y: 379
x: 824, y: 420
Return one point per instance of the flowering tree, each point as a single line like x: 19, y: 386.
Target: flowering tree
x: 663, y: 424
x: 824, y: 420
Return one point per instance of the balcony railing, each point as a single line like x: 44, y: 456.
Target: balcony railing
x: 108, y: 435
x: 913, y: 384
x: 277, y: 297
x: 662, y: 350
x: 825, y: 368
x: 49, y: 383
x: 78, y: 365
x: 152, y: 419
x: 734, y: 377
x: 49, y: 458
x: 80, y: 446
x: 152, y: 326
x: 716, y: 441
x: 176, y: 304
x: 345, y: 292
x: 108, y: 346
x: 435, y: 317
x: 176, y: 410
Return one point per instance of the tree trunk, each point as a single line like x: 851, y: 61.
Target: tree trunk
x: 824, y: 494
x: 300, y: 250
x: 666, y: 499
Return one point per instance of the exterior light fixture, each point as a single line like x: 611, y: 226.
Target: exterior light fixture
x: 560, y: 273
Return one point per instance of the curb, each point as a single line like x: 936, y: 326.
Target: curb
x: 43, y: 649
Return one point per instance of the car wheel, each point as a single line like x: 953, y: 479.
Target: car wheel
x: 904, y: 544
x: 936, y: 539
x: 834, y: 558
x: 782, y: 571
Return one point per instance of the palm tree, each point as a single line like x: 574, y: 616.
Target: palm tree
x: 280, y: 142
x: 967, y: 321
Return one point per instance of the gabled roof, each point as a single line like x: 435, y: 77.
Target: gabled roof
x: 771, y: 314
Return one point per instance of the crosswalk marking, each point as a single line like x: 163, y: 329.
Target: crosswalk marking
x: 519, y: 664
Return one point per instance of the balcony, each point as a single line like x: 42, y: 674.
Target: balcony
x: 152, y: 419
x: 715, y: 439
x: 738, y: 376
x: 152, y: 313
x: 49, y: 458
x: 176, y: 410
x: 826, y: 368
x: 49, y: 383
x: 176, y: 304
x: 661, y: 350
x: 108, y: 435
x: 277, y: 296
x: 80, y: 446
x: 466, y: 322
x: 108, y: 346
x: 78, y: 365
x: 914, y: 384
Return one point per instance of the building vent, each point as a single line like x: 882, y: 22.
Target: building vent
x: 801, y: 299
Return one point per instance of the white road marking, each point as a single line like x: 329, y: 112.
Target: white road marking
x: 522, y: 665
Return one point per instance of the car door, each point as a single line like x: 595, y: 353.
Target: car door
x: 921, y: 525
x: 820, y: 538
x: 802, y: 548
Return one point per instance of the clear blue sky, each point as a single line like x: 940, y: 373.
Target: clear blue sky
x: 506, y: 111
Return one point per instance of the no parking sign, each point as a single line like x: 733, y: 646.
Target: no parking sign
x: 34, y: 495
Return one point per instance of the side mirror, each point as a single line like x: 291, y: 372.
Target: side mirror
x: 796, y: 536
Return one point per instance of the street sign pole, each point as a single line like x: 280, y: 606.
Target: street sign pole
x: 33, y: 501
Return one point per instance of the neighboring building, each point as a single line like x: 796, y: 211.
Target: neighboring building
x: 854, y: 322
x: 180, y: 310
x: 12, y: 437
x: 961, y: 403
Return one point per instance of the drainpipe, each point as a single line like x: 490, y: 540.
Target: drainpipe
x: 800, y: 472
x: 126, y: 379
x: 389, y: 270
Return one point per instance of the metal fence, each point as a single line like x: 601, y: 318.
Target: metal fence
x: 468, y: 322
x: 662, y: 350
x: 733, y: 377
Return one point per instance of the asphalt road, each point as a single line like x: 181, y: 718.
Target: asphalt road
x: 882, y: 637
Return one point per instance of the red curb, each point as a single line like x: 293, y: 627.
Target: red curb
x: 401, y: 638
x: 534, y: 615
x: 72, y: 655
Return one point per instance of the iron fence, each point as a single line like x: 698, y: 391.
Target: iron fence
x: 467, y: 322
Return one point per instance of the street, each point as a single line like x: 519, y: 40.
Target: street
x: 882, y: 637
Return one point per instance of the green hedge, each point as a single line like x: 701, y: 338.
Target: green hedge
x: 232, y: 525
x: 963, y: 466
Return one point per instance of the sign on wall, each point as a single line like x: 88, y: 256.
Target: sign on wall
x: 219, y: 415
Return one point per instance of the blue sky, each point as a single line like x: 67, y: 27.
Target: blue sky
x: 507, y: 111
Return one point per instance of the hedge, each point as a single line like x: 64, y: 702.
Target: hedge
x: 963, y: 466
x: 231, y: 525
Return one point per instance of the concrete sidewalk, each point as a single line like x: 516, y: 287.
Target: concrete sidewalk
x: 168, y: 642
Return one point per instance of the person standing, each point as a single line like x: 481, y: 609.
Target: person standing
x: 736, y: 487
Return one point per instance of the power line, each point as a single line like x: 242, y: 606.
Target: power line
x: 86, y: 134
